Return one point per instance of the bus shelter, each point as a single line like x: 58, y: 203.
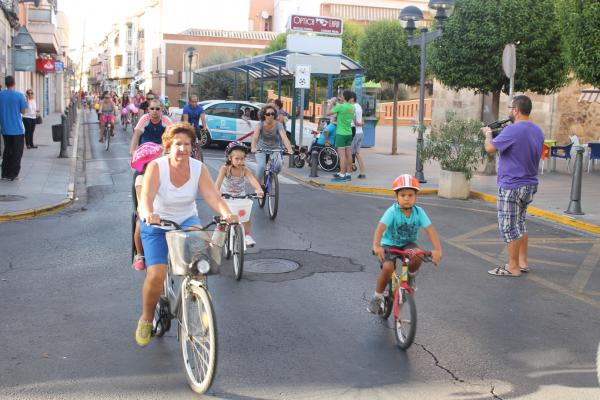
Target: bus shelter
x: 272, y: 67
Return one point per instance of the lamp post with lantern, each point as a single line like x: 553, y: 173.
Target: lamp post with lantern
x: 409, y: 16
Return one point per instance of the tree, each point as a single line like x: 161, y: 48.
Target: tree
x: 469, y: 54
x: 279, y: 43
x: 580, y: 22
x: 385, y: 54
x: 216, y: 85
x: 351, y: 37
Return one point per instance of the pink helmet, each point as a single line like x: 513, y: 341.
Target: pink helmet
x: 144, y: 154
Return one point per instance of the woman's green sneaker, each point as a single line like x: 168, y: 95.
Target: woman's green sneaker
x: 143, y: 333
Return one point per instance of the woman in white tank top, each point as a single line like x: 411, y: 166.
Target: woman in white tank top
x: 169, y: 191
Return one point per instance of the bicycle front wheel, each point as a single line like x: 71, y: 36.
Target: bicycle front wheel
x: 406, y: 321
x: 263, y: 200
x: 273, y: 196
x: 198, y: 337
x: 238, y: 251
x: 388, y: 302
x: 107, y: 137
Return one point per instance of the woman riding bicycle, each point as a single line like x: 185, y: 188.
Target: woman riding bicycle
x: 269, y: 136
x: 107, y: 113
x: 169, y: 191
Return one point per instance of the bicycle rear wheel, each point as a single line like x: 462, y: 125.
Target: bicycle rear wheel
x: 237, y: 238
x: 198, y: 337
x: 406, y: 322
x: 273, y: 197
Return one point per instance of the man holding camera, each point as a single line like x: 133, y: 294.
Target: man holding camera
x: 520, y: 149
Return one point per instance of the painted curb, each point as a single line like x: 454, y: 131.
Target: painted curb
x: 534, y: 211
x: 52, y: 208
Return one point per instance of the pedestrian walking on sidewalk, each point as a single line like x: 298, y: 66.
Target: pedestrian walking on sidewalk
x: 357, y: 127
x: 12, y: 105
x: 520, y: 148
x: 344, y: 112
x: 29, y: 119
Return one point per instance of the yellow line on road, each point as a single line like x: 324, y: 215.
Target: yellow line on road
x: 584, y: 273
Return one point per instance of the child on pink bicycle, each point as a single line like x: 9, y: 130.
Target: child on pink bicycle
x: 399, y: 228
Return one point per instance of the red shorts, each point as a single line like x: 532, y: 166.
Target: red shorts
x: 104, y: 118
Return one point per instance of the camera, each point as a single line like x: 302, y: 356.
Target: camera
x: 497, y: 126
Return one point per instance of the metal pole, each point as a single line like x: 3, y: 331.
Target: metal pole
x: 329, y: 86
x: 301, y: 116
x: 419, y: 168
x: 189, y: 77
x: 314, y: 163
x: 262, y: 82
x: 247, y: 85
x: 64, y: 137
x: 279, y: 83
x: 575, y: 203
x: 235, y: 85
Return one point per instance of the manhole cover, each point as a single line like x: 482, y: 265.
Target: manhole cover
x: 11, y: 197
x: 270, y: 266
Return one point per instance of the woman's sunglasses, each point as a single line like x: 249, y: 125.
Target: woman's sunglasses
x: 270, y: 114
x: 154, y: 108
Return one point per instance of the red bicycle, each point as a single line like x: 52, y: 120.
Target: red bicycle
x: 399, y: 296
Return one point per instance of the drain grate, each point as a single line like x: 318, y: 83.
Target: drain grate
x: 11, y: 197
x: 270, y: 266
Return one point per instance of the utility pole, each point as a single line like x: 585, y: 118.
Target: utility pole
x: 81, y: 65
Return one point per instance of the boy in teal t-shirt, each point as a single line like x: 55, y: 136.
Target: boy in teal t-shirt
x: 399, y: 228
x: 344, y: 112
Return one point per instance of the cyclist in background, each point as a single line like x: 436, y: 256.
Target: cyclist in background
x: 193, y: 113
x: 399, y: 228
x: 107, y: 112
x: 143, y: 108
x: 150, y: 127
x: 269, y: 135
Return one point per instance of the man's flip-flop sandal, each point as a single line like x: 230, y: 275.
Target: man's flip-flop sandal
x: 501, y: 271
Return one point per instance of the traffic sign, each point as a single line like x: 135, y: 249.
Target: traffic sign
x: 318, y: 64
x: 298, y: 43
x: 302, y: 76
x: 509, y: 60
x: 307, y: 23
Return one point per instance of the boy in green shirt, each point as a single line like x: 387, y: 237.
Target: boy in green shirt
x: 344, y: 112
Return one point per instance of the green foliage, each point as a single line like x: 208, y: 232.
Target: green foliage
x: 279, y: 43
x: 217, y: 85
x: 469, y: 54
x: 351, y: 39
x: 457, y: 145
x: 385, y: 54
x: 580, y: 21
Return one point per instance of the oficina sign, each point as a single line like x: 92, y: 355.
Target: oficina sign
x: 323, y: 25
x: 44, y: 65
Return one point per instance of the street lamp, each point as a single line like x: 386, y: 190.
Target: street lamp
x: 190, y: 55
x: 409, y: 16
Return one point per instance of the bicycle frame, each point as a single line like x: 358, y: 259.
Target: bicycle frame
x: 269, y: 169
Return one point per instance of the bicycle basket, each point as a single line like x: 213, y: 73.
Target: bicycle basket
x: 185, y: 248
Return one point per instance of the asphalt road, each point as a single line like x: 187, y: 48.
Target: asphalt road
x: 70, y: 303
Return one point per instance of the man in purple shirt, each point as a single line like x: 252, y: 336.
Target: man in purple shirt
x: 520, y: 148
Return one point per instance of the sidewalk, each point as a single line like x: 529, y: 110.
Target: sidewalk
x: 381, y: 169
x: 46, y: 182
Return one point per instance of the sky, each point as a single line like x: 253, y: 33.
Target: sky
x: 97, y: 16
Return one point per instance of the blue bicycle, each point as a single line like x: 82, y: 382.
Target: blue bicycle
x: 270, y: 185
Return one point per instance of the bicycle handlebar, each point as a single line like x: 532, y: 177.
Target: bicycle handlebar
x: 167, y: 223
x: 425, y: 255
x: 246, y: 196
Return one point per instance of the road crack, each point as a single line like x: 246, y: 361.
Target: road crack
x: 494, y: 395
x: 437, y: 364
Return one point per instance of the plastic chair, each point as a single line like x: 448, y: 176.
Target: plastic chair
x: 562, y: 152
x: 545, y: 154
x: 594, y: 154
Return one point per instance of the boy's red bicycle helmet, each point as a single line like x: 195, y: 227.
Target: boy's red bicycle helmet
x: 406, y: 181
